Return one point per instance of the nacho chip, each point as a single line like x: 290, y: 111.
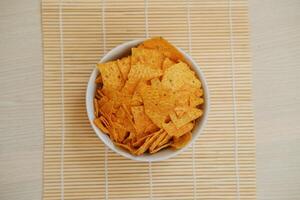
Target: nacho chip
x: 178, y: 75
x: 128, y: 147
x: 180, y: 142
x: 157, y: 141
x: 147, y: 57
x: 124, y: 65
x: 181, y: 110
x: 148, y: 143
x: 163, y: 46
x: 100, y: 125
x: 99, y: 79
x: 195, y: 101
x: 161, y: 147
x: 167, y: 63
x: 141, y: 71
x: 111, y: 75
x: 164, y: 141
x: 192, y: 114
x: 172, y: 130
x: 141, y: 140
x: 141, y: 120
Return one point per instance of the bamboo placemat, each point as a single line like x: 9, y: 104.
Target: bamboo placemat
x: 76, y: 33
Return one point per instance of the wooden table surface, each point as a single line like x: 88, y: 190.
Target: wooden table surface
x: 275, y: 31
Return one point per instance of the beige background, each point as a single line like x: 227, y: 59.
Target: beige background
x: 275, y: 30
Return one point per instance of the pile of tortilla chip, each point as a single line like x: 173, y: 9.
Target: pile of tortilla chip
x: 149, y: 100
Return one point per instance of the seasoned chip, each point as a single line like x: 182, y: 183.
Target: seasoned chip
x: 163, y: 46
x: 167, y: 63
x: 147, y: 57
x: 141, y: 120
x: 161, y: 147
x: 178, y: 75
x: 100, y: 125
x: 124, y: 65
x: 172, y: 130
x: 148, y: 143
x: 128, y: 147
x: 195, y: 101
x: 192, y: 114
x: 157, y: 141
x: 180, y: 142
x: 111, y: 75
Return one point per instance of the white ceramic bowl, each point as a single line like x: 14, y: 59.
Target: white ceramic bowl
x: 118, y: 52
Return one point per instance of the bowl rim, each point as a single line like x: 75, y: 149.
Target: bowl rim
x: 150, y: 158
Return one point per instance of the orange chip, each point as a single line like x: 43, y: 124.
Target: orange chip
x: 100, y: 125
x: 98, y: 79
x: 166, y: 140
x: 141, y: 140
x: 157, y: 141
x: 128, y: 147
x: 163, y: 46
x: 124, y: 65
x: 195, y: 101
x: 172, y: 130
x: 192, y: 114
x: 141, y: 121
x: 167, y: 63
x: 161, y: 147
x: 181, y: 110
x: 96, y: 108
x: 148, y: 143
x: 141, y: 71
x: 179, y: 75
x: 111, y: 75
x: 180, y: 142
x: 147, y: 57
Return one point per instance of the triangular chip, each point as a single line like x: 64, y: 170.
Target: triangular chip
x: 192, y: 114
x: 195, y: 101
x: 148, y: 143
x: 163, y: 46
x: 172, y: 130
x: 111, y: 75
x: 167, y: 63
x: 157, y: 141
x: 148, y: 57
x: 141, y: 120
x: 124, y: 65
x: 180, y: 142
x: 158, y: 148
x: 178, y: 75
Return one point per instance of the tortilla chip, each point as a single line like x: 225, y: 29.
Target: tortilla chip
x: 147, y: 57
x: 124, y: 65
x: 195, y: 101
x: 141, y: 120
x: 101, y: 126
x: 178, y: 75
x: 172, y: 130
x: 161, y: 147
x: 180, y: 142
x: 167, y: 63
x: 192, y: 114
x: 99, y: 79
x: 148, y: 143
x: 128, y: 147
x: 111, y: 75
x: 163, y: 46
x: 157, y: 141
